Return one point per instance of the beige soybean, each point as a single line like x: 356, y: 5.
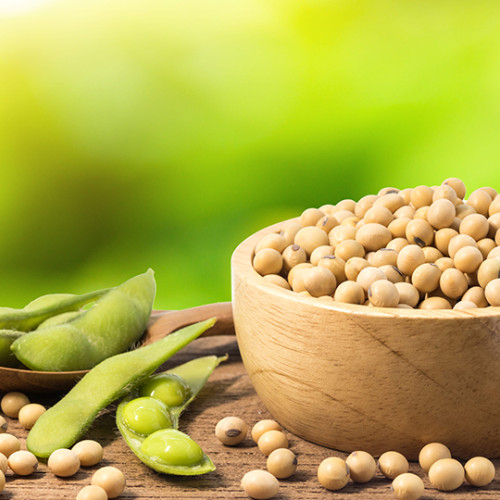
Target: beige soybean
x: 369, y: 275
x: 432, y: 452
x: 475, y: 294
x: 494, y: 207
x: 260, y: 484
x: 292, y: 256
x: 479, y: 471
x: 333, y: 473
x: 12, y: 402
x: 421, y: 196
x: 4, y: 463
x: 383, y: 293
x: 346, y: 204
x: 327, y: 223
x: 426, y: 277
x: 447, y: 193
x: 393, y: 274
x: 273, y: 240
x: 463, y: 210
x: 391, y: 201
x: 475, y: 225
x: 379, y: 214
x: 492, y: 292
x: 92, y: 492
x: 295, y: 270
x: 441, y: 213
x: 384, y: 257
x: 263, y: 426
x: 446, y: 474
x: 231, y: 430
x: 419, y: 232
x: 488, y: 271
x: 465, y: 304
x: 480, y: 201
x: 268, y: 261
x: 349, y: 292
x: 272, y: 440
x: 29, y: 414
x: 9, y: 444
x: 320, y: 252
x: 392, y: 464
x: 459, y: 241
x: 431, y: 254
x: 23, y: 463
x: 442, y: 239
x: 341, y: 233
x: 319, y: 281
x: 406, y: 212
x: 290, y: 229
x: 408, y: 486
x: 421, y: 213
x: 362, y: 466
x: 397, y: 227
x: 364, y: 204
x: 310, y: 216
x: 110, y: 479
x: 495, y: 253
x: 342, y: 215
x: 354, y: 266
x: 408, y: 294
x: 89, y: 452
x: 282, y: 463
x: 349, y: 248
x: 457, y: 185
x: 335, y: 265
x: 409, y: 258
x: 311, y: 237
x: 298, y: 279
x: 445, y: 263
x: 397, y: 244
x: 276, y: 279
x: 435, y: 303
x: 468, y: 259
x: 63, y: 462
x: 486, y: 245
x: 373, y: 236
x: 453, y: 283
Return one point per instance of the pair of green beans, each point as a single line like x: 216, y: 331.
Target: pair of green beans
x: 54, y: 333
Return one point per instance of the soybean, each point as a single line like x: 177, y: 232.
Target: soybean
x: 260, y: 484
x: 333, y: 473
x: 231, y: 431
x: 479, y: 471
x: 110, y: 479
x: 362, y: 466
x: 446, y: 474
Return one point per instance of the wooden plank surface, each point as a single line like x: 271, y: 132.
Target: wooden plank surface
x: 228, y: 392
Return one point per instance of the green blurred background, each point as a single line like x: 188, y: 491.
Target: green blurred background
x: 161, y: 133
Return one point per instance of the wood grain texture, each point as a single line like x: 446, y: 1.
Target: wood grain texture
x: 374, y: 378
x: 228, y: 392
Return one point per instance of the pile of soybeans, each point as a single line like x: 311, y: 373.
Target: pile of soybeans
x: 423, y: 247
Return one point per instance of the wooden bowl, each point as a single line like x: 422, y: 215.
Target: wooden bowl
x: 358, y: 378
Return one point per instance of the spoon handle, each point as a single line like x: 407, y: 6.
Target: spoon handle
x: 163, y: 323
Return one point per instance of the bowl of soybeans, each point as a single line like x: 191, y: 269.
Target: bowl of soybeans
x: 375, y: 324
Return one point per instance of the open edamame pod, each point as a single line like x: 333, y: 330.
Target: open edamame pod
x: 64, y: 423
x: 109, y: 327
x: 161, y: 399
x: 38, y: 310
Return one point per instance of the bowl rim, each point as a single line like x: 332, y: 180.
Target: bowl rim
x: 241, y: 263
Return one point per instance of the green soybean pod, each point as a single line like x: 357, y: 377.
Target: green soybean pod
x: 110, y: 326
x: 64, y: 423
x: 44, y: 307
x: 7, y: 357
x: 151, y: 449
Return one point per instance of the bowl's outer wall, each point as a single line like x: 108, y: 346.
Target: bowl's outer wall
x: 374, y: 379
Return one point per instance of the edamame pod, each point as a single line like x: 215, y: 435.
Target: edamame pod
x: 110, y: 326
x: 44, y: 307
x: 168, y: 450
x: 64, y: 423
x: 7, y: 357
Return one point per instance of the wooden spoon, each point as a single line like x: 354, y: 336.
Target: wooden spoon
x: 161, y: 324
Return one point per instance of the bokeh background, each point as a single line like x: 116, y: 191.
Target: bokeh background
x: 161, y: 133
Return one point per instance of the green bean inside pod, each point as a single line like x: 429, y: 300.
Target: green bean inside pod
x: 167, y: 450
x: 109, y: 327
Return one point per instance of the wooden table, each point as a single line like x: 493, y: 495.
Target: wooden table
x: 228, y: 392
